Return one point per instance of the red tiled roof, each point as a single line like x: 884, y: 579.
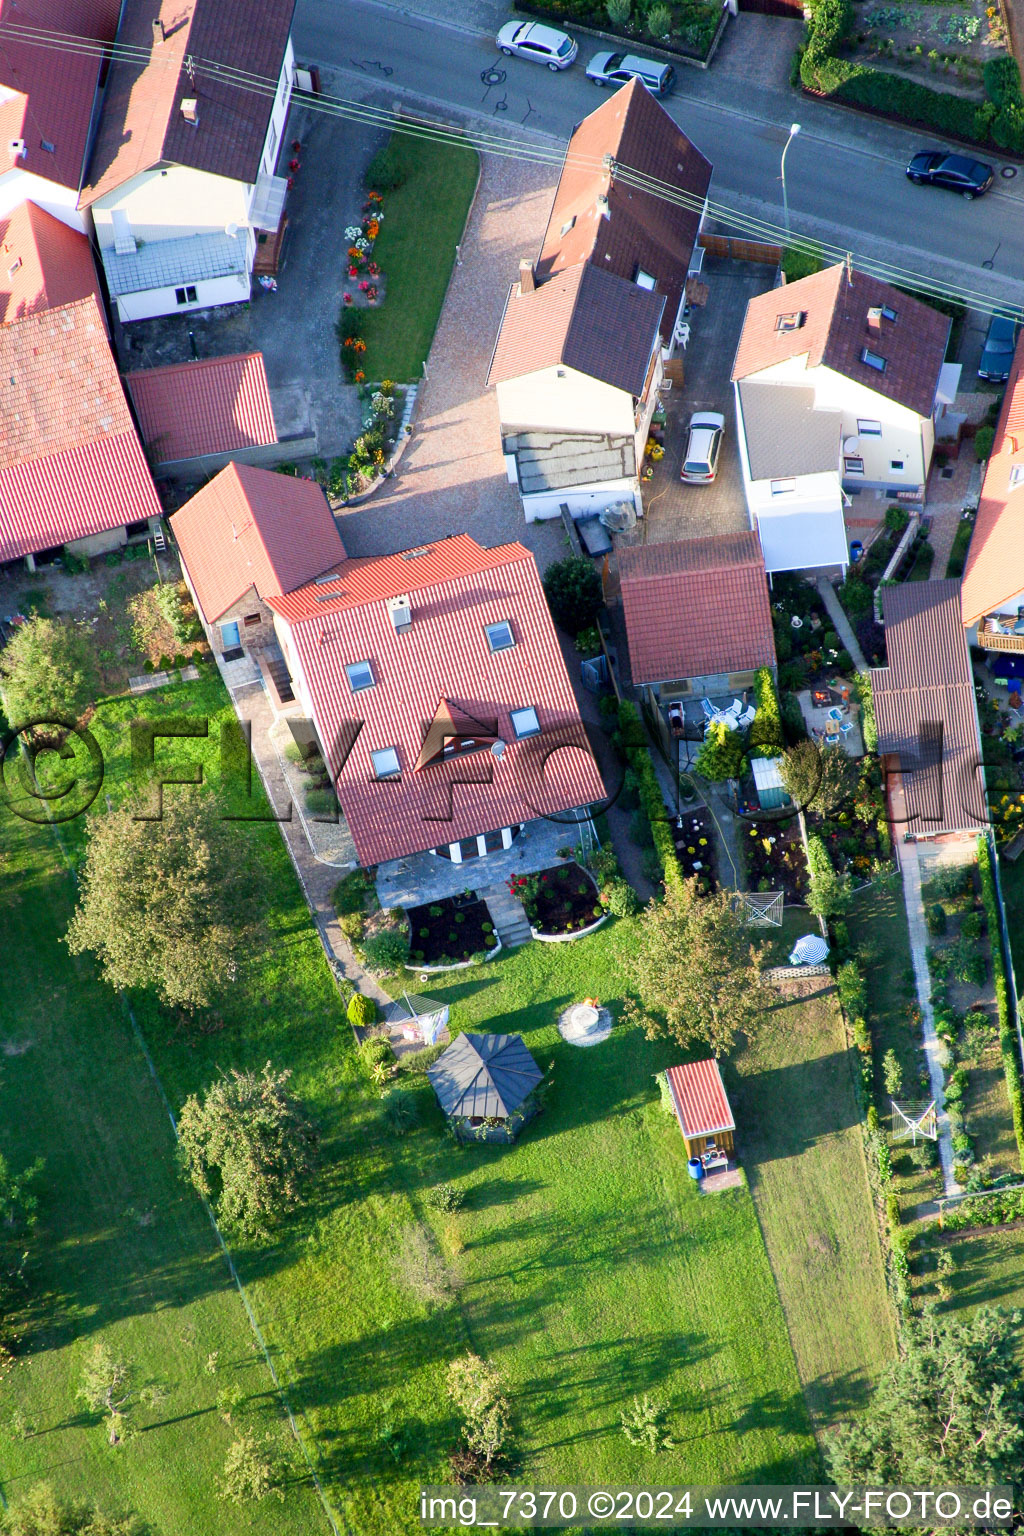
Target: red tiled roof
x: 585, y: 318
x: 834, y: 331
x: 699, y: 1099
x: 456, y: 587
x: 994, y: 572
x: 43, y: 264
x: 696, y: 607
x: 217, y: 405
x: 71, y: 464
x: 141, y: 122
x: 925, y: 707
x: 54, y: 87
x: 641, y: 229
x: 254, y: 528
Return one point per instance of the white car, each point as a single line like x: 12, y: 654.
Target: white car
x: 532, y: 40
x: 703, y: 445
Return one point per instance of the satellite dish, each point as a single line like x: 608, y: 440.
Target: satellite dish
x: 497, y: 749
x: 231, y: 229
x: 850, y: 444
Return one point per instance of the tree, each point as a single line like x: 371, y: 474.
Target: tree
x: 247, y: 1148
x: 830, y: 892
x: 659, y: 21
x: 818, y: 778
x: 696, y: 972
x: 41, y: 1513
x: 573, y: 590
x: 249, y: 1473
x: 721, y: 756
x: 475, y: 1388
x: 949, y: 1411
x: 18, y: 1208
x: 49, y: 672
x: 643, y: 1423
x: 167, y: 904
x: 619, y: 11
x: 108, y: 1388
x: 892, y: 1074
x: 161, y: 624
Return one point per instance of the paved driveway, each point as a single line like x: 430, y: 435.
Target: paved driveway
x: 674, y: 510
x: 451, y: 478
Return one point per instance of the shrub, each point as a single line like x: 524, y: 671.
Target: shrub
x: 619, y: 897
x: 830, y: 892
x: 573, y: 590
x: 618, y: 11
x: 401, y: 1112
x: 386, y: 952
x: 659, y: 21
x: 376, y: 1052
x: 935, y: 917
x: 320, y: 802
x: 896, y: 519
x: 983, y: 440
x: 362, y: 1010
x: 970, y: 925
x: 447, y: 1198
x: 766, y: 738
x: 388, y: 170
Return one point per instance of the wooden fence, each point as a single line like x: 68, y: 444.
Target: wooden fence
x: 741, y: 250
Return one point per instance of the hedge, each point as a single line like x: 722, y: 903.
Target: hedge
x: 766, y: 728
x: 639, y: 758
x: 694, y: 22
x: 868, y: 728
x: 998, y: 121
x: 1008, y: 1043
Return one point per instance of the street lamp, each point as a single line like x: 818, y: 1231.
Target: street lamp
x: 794, y: 130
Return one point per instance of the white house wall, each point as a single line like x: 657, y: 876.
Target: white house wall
x: 163, y: 301
x: 282, y: 101
x: 172, y: 203
x: 561, y: 400
x: 582, y: 500
x: 283, y: 631
x: 18, y: 186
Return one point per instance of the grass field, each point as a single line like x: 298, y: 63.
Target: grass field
x: 583, y: 1261
x: 798, y: 1130
x: 1011, y: 878
x: 126, y: 1253
x: 415, y: 250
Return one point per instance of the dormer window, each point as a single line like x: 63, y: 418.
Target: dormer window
x: 567, y: 226
x: 872, y: 359
x: 385, y: 763
x: 360, y: 676
x: 791, y: 321
x: 500, y: 636
x: 1016, y: 476
x: 525, y: 722
x: 645, y: 279
x: 888, y: 313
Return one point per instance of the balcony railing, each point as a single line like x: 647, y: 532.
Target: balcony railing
x: 1000, y: 642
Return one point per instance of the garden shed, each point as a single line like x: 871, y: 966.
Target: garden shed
x: 484, y: 1081
x: 702, y: 1107
x: 771, y: 792
x: 417, y: 1018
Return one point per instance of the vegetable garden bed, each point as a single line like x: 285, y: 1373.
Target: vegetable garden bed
x: 448, y: 931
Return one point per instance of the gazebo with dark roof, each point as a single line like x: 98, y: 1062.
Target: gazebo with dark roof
x: 484, y: 1077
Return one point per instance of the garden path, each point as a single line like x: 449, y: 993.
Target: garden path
x: 844, y: 629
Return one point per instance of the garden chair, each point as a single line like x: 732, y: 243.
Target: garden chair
x: 747, y: 716
x: 709, y: 709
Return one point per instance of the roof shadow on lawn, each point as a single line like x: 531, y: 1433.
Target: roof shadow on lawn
x: 783, y: 1111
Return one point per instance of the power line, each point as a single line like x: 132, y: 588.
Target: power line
x: 510, y: 147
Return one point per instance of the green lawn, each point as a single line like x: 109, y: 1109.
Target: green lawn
x: 799, y: 1137
x: 126, y: 1254
x: 1011, y: 877
x: 415, y: 250
x: 584, y: 1262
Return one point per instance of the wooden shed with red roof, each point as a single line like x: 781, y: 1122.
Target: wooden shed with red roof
x: 701, y: 1107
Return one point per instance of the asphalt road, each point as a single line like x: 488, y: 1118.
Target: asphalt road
x: 844, y: 172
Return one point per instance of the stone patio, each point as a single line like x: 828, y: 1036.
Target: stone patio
x: 424, y: 877
x: 817, y: 718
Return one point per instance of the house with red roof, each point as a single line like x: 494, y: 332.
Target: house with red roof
x: 248, y: 536
x: 182, y: 173
x: 587, y: 327
x: 44, y: 263
x: 698, y: 619
x: 49, y: 79
x: 72, y: 471
x: 839, y: 381
x: 212, y: 410
x: 992, y: 593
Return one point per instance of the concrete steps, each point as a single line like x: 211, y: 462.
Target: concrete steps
x: 508, y: 915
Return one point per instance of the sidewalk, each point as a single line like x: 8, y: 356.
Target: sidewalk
x: 910, y: 872
x: 844, y: 629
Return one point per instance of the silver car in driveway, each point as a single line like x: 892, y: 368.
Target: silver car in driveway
x: 532, y: 40
x: 703, y: 445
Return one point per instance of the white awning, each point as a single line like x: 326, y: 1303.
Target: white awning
x: 268, y: 202
x: 949, y: 383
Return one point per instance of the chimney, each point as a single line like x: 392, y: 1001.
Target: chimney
x: 159, y: 35
x: 190, y: 110
x: 874, y: 321
x: 603, y: 211
x: 400, y: 612
x: 527, y: 282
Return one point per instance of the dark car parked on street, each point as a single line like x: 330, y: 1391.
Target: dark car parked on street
x: 957, y: 173
x: 997, y: 356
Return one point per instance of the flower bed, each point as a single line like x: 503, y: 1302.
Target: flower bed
x: 558, y: 901
x: 449, y: 932
x: 807, y: 647
x: 857, y: 834
x: 695, y: 849
x: 775, y: 858
x: 690, y: 25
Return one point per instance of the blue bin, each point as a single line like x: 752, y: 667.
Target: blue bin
x: 696, y: 1169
